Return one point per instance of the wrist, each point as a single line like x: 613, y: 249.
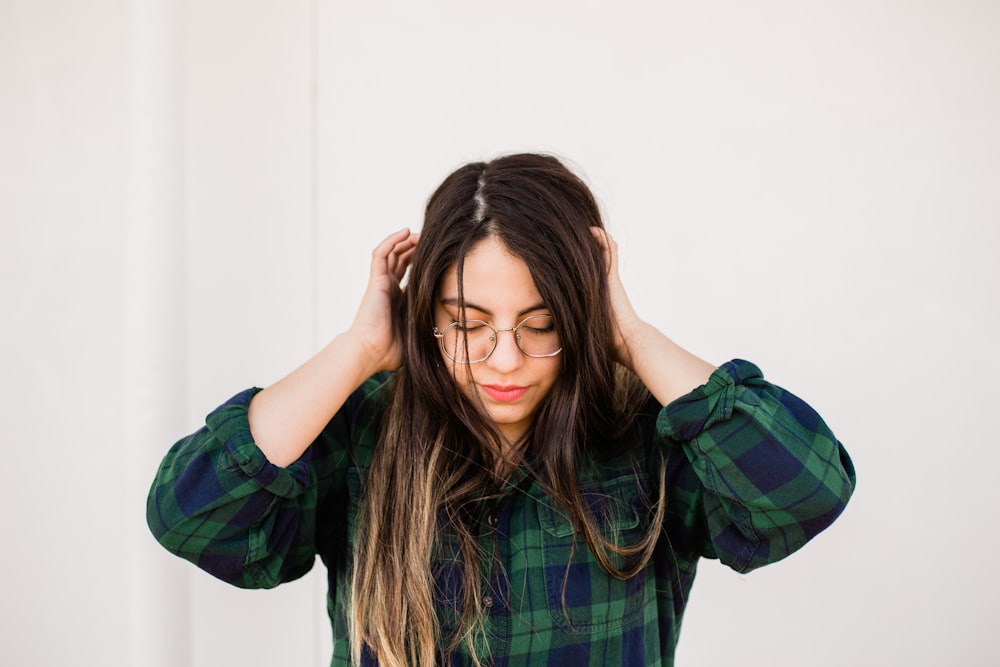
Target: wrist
x: 667, y: 369
x: 370, y: 356
x: 630, y: 335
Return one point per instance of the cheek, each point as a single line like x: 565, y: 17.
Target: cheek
x: 461, y: 375
x: 550, y: 373
x: 556, y: 366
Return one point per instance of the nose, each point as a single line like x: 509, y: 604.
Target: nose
x: 507, y: 355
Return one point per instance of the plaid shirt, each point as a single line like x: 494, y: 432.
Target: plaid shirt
x: 752, y: 474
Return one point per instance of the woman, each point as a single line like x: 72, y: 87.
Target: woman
x: 501, y: 463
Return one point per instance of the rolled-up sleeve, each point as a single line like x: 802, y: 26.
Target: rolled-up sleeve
x: 218, y: 502
x: 764, y: 473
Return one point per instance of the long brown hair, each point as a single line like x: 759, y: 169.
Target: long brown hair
x: 437, y: 454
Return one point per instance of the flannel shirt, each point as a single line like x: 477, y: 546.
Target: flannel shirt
x: 752, y: 474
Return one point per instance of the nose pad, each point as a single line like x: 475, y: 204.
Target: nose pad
x: 507, y: 355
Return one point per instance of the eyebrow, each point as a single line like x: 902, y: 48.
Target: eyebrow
x: 453, y: 302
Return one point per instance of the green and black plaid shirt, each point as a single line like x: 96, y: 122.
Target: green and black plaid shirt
x: 753, y: 473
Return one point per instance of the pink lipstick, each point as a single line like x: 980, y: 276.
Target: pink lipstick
x: 504, y: 393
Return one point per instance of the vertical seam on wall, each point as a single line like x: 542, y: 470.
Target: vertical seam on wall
x: 314, y: 172
x: 313, y: 28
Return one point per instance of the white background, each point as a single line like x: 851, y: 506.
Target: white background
x: 189, y: 193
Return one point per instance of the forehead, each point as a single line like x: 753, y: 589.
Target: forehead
x: 494, y: 281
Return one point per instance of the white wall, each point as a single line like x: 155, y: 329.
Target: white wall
x: 189, y: 193
x: 63, y: 170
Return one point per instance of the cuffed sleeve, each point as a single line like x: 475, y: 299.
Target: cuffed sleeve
x: 230, y: 425
x: 766, y: 473
x: 218, y: 502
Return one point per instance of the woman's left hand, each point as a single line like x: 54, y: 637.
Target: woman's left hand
x: 626, y: 321
x: 668, y: 370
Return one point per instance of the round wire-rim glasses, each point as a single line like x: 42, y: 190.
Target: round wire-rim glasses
x: 535, y: 336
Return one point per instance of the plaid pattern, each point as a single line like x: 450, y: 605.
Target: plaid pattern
x: 752, y: 474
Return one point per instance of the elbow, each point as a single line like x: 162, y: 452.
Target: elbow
x: 834, y: 493
x: 777, y: 538
x: 160, y: 525
x: 224, y: 553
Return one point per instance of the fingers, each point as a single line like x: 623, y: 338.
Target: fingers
x: 393, y: 255
x: 608, y: 246
x: 403, y: 259
x: 383, y: 249
x: 402, y: 255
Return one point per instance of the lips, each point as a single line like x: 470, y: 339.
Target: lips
x: 504, y: 393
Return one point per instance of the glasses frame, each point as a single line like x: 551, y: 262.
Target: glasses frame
x: 495, y: 338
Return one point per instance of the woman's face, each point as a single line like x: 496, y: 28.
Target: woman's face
x: 499, y: 290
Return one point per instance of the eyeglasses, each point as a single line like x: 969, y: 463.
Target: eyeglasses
x: 473, y: 341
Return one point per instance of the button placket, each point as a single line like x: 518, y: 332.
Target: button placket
x: 495, y: 594
x: 492, y: 520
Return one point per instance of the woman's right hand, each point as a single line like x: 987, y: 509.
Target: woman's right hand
x: 287, y: 416
x: 373, y: 326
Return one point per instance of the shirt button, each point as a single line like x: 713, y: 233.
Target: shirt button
x: 488, y: 601
x: 492, y: 520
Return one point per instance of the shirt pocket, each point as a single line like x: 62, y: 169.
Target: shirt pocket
x: 582, y: 596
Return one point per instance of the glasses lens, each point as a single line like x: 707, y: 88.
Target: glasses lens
x: 472, y: 341
x: 468, y: 341
x: 537, y: 337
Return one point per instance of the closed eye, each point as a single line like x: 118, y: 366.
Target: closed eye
x: 468, y: 325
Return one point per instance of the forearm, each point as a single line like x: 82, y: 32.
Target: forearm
x: 668, y: 370
x: 287, y: 417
